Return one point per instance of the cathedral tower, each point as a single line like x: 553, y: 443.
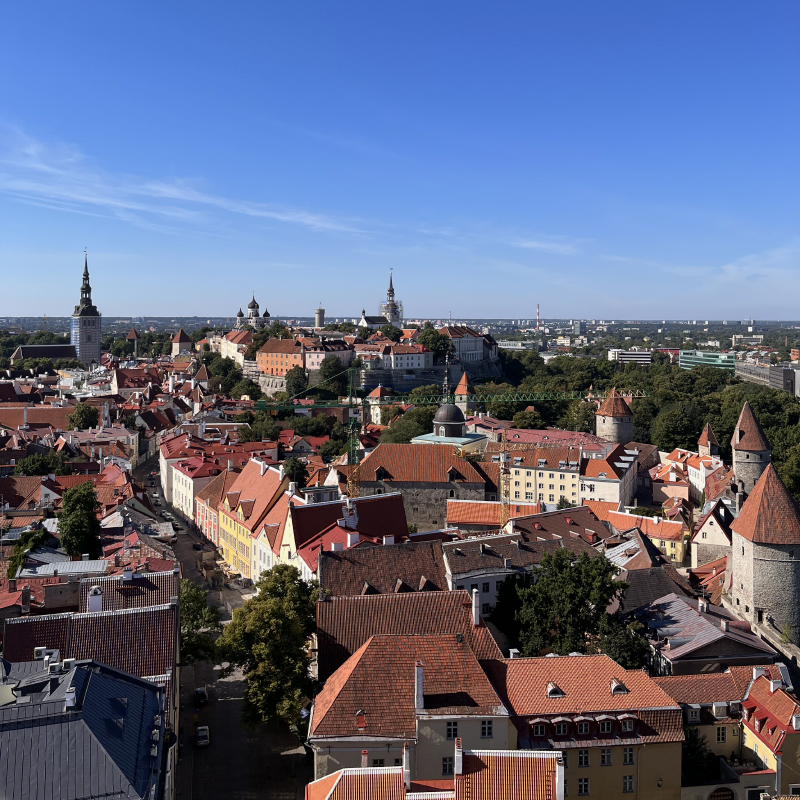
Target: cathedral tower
x: 85, y: 331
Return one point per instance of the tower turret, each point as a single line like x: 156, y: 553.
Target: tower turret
x: 614, y: 419
x: 751, y: 450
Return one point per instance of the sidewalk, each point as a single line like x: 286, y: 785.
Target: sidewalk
x: 185, y: 768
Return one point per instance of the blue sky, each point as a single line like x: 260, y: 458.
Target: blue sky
x: 615, y: 159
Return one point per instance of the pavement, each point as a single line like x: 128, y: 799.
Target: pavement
x: 240, y: 763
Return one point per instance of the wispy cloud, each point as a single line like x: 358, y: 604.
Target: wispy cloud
x: 559, y: 245
x: 61, y: 177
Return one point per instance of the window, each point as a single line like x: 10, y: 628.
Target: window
x: 486, y: 729
x: 485, y: 587
x: 551, y: 486
x: 566, y: 787
x: 703, y: 535
x: 552, y: 498
x: 529, y: 495
x: 672, y: 545
x: 473, y: 586
x: 460, y: 587
x: 583, y: 758
x: 452, y: 730
x: 398, y: 762
x: 605, y: 726
x: 627, y: 755
x: 538, y: 731
x: 516, y: 495
x: 447, y: 765
x: 486, y: 608
x: 565, y: 757
x: 541, y: 497
x: 377, y: 762
x: 627, y: 725
x: 583, y: 728
x: 561, y: 728
x: 605, y: 757
x: 721, y: 734
x: 627, y: 783
x: 583, y: 786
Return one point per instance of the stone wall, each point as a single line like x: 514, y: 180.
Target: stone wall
x: 616, y: 429
x: 748, y: 467
x: 703, y: 553
x: 776, y: 586
x: 272, y: 383
x: 426, y: 503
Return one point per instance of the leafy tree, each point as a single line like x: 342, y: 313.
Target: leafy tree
x: 623, y: 642
x: 563, y: 503
x: 296, y: 381
x: 679, y: 426
x: 579, y: 416
x: 52, y: 463
x: 412, y: 528
x: 78, y: 525
x: 84, y: 416
x: 331, y: 377
x: 247, y: 387
x: 698, y: 763
x: 268, y: 639
x: 505, y: 614
x: 199, y: 623
x: 296, y: 471
x: 528, y: 420
x: 388, y: 413
x: 246, y: 417
x: 331, y: 449
x: 28, y: 540
x: 402, y: 432
x: 437, y: 342
x: 263, y: 427
x: 392, y: 332
x: 311, y: 426
x: 429, y: 390
x: 222, y: 367
x: 563, y: 610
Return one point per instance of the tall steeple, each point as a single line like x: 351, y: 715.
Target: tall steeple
x: 85, y: 328
x: 390, y: 293
x: 391, y: 309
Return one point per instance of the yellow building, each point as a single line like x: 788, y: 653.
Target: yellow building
x: 771, y: 733
x: 619, y: 732
x: 249, y: 499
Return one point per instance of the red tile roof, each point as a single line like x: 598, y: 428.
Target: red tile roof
x: 345, y: 623
x: 408, y: 567
x: 485, y: 512
x: 654, y: 527
x: 417, y: 463
x: 770, y: 514
x: 614, y: 405
x: 181, y: 337
x: 578, y: 522
x: 254, y: 491
x: 748, y: 435
x: 464, y: 386
x: 371, y: 783
x: 453, y: 683
x: 707, y: 437
x: 719, y: 687
x: 770, y: 712
x: 508, y: 775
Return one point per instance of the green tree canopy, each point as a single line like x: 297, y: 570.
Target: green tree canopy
x: 528, y: 420
x: 199, y: 623
x: 268, y: 639
x: 438, y: 343
x: 563, y: 610
x: 331, y: 377
x: 296, y: 471
x: 78, y: 525
x: 52, y: 463
x: 296, y: 381
x: 84, y: 416
x: 392, y: 332
x: 247, y: 387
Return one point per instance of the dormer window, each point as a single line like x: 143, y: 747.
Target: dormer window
x: 553, y: 690
x: 627, y: 725
x: 618, y: 687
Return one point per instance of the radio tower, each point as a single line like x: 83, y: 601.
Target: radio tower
x: 537, y: 317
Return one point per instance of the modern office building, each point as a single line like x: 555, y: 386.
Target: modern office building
x: 702, y: 358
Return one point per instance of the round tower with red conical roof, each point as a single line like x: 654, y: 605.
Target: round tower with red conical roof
x: 614, y: 419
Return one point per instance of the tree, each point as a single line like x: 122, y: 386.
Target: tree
x: 296, y: 381
x: 623, y: 643
x: 579, y: 416
x: 438, y: 343
x: 505, y: 614
x: 528, y: 420
x: 679, y: 426
x: 268, y: 639
x: 330, y: 449
x: 392, y: 332
x: 402, y: 431
x: 84, y: 416
x: 246, y: 417
x: 311, y: 426
x: 28, y: 540
x: 50, y: 464
x: 330, y: 375
x: 247, y: 387
x: 698, y: 764
x: 563, y: 610
x: 199, y: 623
x: 563, y: 503
x: 296, y: 471
x: 78, y: 525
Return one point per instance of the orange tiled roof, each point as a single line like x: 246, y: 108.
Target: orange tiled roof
x: 614, y: 405
x: 485, y: 512
x: 412, y: 463
x: 507, y: 775
x: 769, y: 713
x: 748, y: 435
x: 654, y: 527
x: 770, y: 514
x: 707, y: 437
x: 718, y: 687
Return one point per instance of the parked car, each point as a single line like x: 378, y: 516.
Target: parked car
x: 166, y: 515
x: 155, y: 494
x: 203, y: 736
x: 176, y: 526
x: 200, y: 696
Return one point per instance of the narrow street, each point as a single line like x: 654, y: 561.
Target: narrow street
x: 240, y: 763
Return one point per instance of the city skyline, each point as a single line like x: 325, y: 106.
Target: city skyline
x: 565, y: 154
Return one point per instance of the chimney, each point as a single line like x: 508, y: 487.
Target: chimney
x: 476, y: 616
x: 292, y: 488
x: 419, y: 695
x: 702, y: 605
x: 84, y: 556
x: 263, y: 467
x: 364, y: 754
x: 230, y: 465
x: 336, y: 546
x: 171, y: 382
x: 281, y: 472
x: 388, y: 539
x: 12, y: 584
x: 352, y: 539
x: 774, y: 685
x: 513, y: 653
x: 25, y: 600
x: 725, y: 625
x: 758, y: 672
x: 407, y: 766
x: 350, y: 515
x: 458, y: 761
x: 95, y: 599
x: 194, y: 384
x: 69, y: 698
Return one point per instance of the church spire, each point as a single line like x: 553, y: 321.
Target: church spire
x: 390, y: 293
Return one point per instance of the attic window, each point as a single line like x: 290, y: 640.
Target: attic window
x: 361, y: 720
x: 553, y: 690
x: 617, y: 687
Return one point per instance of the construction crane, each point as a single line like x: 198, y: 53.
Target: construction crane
x: 354, y: 404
